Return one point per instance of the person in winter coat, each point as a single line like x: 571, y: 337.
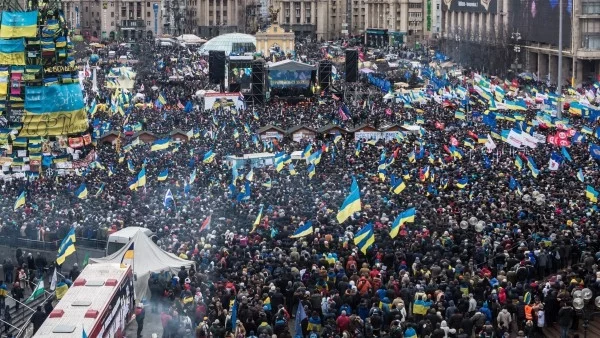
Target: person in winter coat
x: 504, y: 318
x: 38, y: 319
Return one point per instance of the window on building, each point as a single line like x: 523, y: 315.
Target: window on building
x: 224, y: 14
x: 147, y: 23
x: 112, y: 23
x: 590, y: 7
x: 590, y: 41
x: 298, y: 19
x: 287, y: 20
x: 148, y: 4
x: 147, y: 14
x: 123, y: 11
x: 112, y: 14
x: 112, y: 4
x: 86, y: 9
x: 308, y: 19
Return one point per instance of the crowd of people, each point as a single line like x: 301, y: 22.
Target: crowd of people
x: 499, y: 255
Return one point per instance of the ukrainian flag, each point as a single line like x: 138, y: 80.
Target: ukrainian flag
x: 111, y: 171
x: 19, y: 24
x: 257, y: 220
x: 459, y: 115
x: 407, y: 216
x: 208, y: 157
x: 358, y: 147
x: 580, y: 175
x: 141, y: 178
x: 411, y: 157
x: 133, y: 184
x: 193, y: 176
x: 100, y: 190
x: 163, y: 175
x: 482, y: 138
x: 268, y: 184
x: 591, y: 193
x: 337, y: 138
x: 20, y: 201
x: 420, y: 120
x: 469, y: 144
x: 162, y: 99
x: 81, y: 192
x: 12, y: 52
x: 461, y: 183
x: 236, y: 134
x: 292, y: 169
x: 311, y: 171
x: 587, y: 130
x: 350, y: 206
x: 67, y: 247
x: 130, y: 166
x: 307, y: 150
x: 304, y: 230
x: 365, y: 238
x: 161, y: 144
x: 519, y: 162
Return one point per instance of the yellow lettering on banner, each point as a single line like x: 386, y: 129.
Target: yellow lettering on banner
x: 54, y: 124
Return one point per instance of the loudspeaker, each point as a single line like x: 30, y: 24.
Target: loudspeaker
x: 257, y: 85
x: 325, y: 75
x: 216, y: 66
x: 351, y: 65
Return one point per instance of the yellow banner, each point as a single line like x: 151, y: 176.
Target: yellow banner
x: 54, y: 124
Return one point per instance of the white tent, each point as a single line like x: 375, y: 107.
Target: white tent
x: 191, y: 39
x: 147, y: 258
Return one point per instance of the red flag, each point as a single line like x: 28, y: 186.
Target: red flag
x: 205, y: 224
x: 439, y: 125
x: 180, y: 105
x: 473, y: 135
x: 447, y: 149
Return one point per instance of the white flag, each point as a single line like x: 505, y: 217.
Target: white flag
x: 53, y: 281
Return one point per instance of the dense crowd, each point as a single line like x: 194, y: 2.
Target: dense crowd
x: 486, y: 259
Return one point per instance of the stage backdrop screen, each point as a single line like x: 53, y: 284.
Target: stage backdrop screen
x: 241, y: 75
x: 289, y: 78
x: 537, y: 21
x: 473, y: 6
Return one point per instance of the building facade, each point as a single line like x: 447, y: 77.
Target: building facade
x: 123, y: 19
x: 505, y: 36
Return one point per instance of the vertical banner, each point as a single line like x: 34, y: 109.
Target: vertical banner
x: 429, y: 15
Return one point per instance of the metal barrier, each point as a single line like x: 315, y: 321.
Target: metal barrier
x: 24, y: 243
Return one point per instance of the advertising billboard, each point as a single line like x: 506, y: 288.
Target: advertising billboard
x: 537, y: 21
x: 474, y: 6
x: 289, y: 78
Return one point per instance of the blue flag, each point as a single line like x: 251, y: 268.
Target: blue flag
x: 595, y: 151
x: 300, y: 316
x: 234, y: 310
x: 565, y: 153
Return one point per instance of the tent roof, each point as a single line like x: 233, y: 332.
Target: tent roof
x: 289, y: 65
x: 147, y: 258
x: 190, y: 38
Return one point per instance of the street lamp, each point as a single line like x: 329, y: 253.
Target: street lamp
x: 580, y: 300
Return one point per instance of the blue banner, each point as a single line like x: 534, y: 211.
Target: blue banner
x: 289, y: 78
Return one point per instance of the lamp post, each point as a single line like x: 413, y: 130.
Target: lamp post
x: 516, y: 37
x: 580, y: 299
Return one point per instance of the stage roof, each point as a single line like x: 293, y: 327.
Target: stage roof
x: 289, y: 65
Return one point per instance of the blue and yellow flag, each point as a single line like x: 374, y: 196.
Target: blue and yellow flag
x: 257, y: 220
x: 307, y: 151
x: 397, y: 184
x: 162, y: 99
x: 41, y: 105
x: 304, y: 230
x: 208, y: 157
x: 292, y: 169
x: 100, y: 190
x: 163, y: 175
x: 81, y: 192
x: 462, y: 183
x: 19, y: 24
x: 591, y: 194
x: 12, y: 52
x: 133, y: 184
x: 407, y: 216
x: 67, y: 247
x: 350, y: 206
x: 161, y: 144
x: 20, y: 201
x: 311, y: 170
x: 365, y: 238
x: 519, y: 162
x: 141, y: 178
x: 128, y: 255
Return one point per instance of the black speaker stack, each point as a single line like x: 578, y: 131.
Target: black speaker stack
x: 351, y: 65
x: 216, y: 67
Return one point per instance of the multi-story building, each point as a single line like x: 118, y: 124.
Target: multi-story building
x: 523, y: 36
x: 404, y: 20
x: 128, y: 20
